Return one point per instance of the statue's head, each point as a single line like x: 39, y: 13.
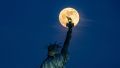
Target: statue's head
x: 54, y: 49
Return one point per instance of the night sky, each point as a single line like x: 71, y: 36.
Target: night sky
x: 28, y: 26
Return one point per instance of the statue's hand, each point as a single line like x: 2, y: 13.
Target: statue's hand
x: 70, y: 25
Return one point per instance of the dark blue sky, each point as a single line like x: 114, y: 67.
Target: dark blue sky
x: 28, y: 26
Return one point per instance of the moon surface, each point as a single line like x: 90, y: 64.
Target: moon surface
x: 69, y: 12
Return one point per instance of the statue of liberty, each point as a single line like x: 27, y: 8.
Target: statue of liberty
x: 57, y: 55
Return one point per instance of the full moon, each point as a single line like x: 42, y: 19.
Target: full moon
x: 69, y: 12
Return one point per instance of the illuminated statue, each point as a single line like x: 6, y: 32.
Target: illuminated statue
x: 57, y: 55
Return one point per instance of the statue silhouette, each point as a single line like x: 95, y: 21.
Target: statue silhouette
x: 58, y: 57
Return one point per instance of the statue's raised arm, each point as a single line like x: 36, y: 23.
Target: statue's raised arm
x: 70, y: 25
x: 55, y: 58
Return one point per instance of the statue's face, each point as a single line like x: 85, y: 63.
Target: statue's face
x: 54, y: 49
x: 52, y: 53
